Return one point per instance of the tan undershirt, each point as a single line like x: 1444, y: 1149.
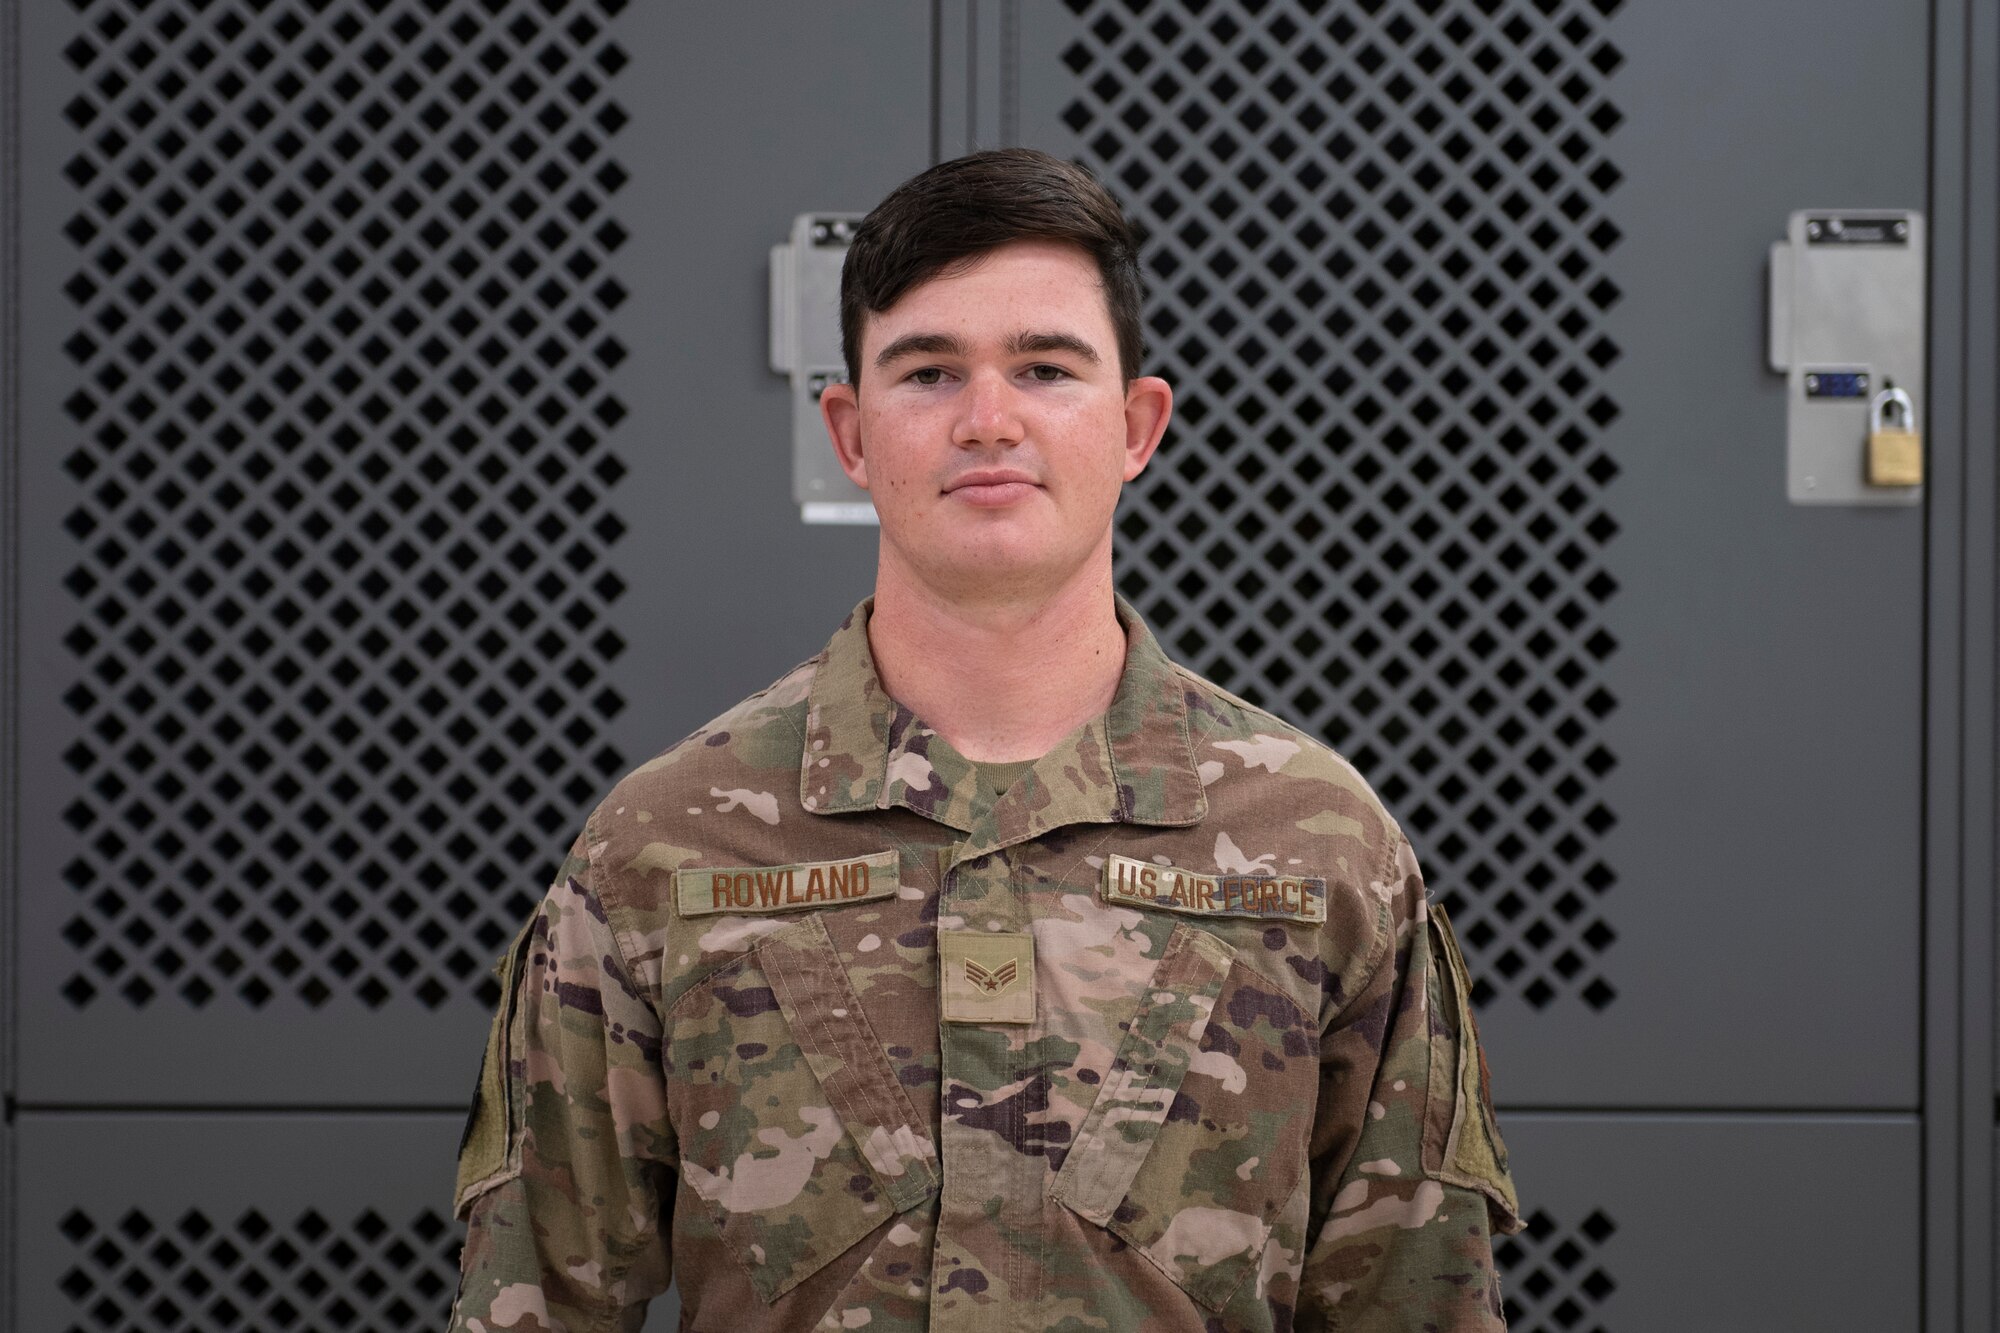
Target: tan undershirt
x: 996, y: 778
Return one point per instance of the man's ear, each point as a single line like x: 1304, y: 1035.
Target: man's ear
x: 1149, y: 403
x: 840, y: 409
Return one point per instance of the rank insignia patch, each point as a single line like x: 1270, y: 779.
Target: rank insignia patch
x: 987, y: 976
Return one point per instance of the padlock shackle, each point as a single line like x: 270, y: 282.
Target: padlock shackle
x: 1878, y: 411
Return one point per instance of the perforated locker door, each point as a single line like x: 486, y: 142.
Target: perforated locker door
x: 1477, y: 471
x: 1725, y: 1223
x: 238, y: 1224
x: 400, y: 463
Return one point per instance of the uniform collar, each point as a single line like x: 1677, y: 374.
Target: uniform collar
x: 1132, y: 764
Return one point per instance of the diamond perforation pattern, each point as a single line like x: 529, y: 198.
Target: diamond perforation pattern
x: 307, y: 1274
x: 342, y: 427
x: 1554, y: 1275
x: 1378, y: 242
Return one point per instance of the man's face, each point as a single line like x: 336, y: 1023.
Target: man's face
x: 992, y: 426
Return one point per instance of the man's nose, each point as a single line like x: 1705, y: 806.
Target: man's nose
x: 989, y: 411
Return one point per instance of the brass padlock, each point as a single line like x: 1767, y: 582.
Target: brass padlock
x: 1895, y: 451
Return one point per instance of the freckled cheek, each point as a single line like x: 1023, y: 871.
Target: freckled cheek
x: 891, y: 464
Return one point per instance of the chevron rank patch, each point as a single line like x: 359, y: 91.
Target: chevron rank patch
x: 1130, y: 882
x: 995, y: 981
x: 987, y: 976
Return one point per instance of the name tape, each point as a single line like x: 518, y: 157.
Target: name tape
x: 1135, y: 883
x: 714, y: 889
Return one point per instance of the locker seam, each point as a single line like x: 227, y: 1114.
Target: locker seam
x: 10, y: 639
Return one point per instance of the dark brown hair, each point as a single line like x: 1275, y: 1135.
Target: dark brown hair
x: 958, y: 210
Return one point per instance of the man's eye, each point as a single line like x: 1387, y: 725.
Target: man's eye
x: 1049, y: 374
x: 928, y: 375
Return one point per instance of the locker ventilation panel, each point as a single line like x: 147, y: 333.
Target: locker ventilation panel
x: 1552, y: 1276
x: 341, y: 436
x: 1377, y: 253
x: 305, y: 1275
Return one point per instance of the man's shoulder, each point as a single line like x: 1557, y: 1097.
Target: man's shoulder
x: 1259, y: 768
x: 747, y: 756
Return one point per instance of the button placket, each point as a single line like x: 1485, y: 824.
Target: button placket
x: 991, y: 1196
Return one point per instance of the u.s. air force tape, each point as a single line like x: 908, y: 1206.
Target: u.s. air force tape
x: 712, y: 889
x: 1134, y: 883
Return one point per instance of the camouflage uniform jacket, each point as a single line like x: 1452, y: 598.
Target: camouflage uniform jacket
x: 1165, y: 1038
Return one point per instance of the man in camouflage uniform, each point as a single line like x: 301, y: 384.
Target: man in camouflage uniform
x: 847, y: 1023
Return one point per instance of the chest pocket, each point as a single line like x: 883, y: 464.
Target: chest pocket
x: 1197, y: 1137
x: 793, y: 1127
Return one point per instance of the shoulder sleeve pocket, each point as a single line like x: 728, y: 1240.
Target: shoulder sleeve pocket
x: 1462, y: 1144
x: 489, y: 1151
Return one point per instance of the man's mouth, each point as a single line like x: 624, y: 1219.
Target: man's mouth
x: 991, y: 486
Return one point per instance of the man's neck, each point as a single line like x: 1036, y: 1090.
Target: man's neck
x: 1004, y: 678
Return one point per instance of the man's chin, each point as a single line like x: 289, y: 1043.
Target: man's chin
x: 1001, y: 570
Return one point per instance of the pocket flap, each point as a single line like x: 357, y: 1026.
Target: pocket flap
x: 489, y: 1150
x: 1462, y: 1144
x: 1137, y: 1093
x: 840, y: 1046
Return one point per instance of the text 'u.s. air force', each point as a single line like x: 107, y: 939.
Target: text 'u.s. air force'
x: 1134, y: 883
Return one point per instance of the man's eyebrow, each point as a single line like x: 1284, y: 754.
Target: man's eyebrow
x: 920, y: 344
x: 1022, y: 343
